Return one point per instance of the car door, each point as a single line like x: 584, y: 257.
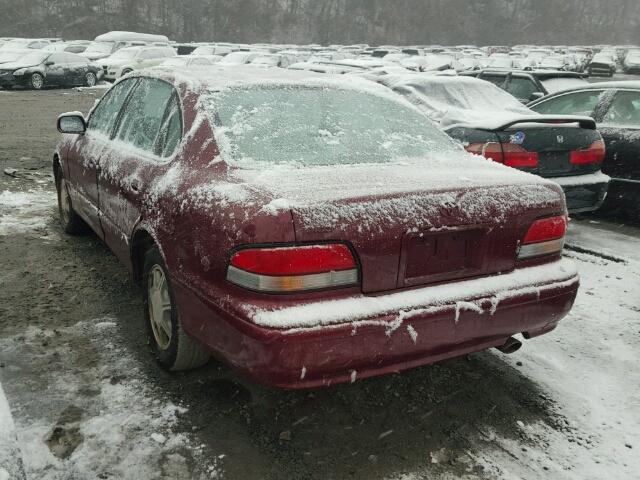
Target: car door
x: 619, y: 124
x: 83, y: 155
x: 56, y: 69
x: 132, y: 161
x: 78, y: 67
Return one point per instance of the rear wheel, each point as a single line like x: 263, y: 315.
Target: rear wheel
x: 90, y: 79
x: 172, y: 347
x: 70, y: 221
x: 36, y: 81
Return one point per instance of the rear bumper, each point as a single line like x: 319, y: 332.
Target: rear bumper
x: 584, y: 193
x: 379, y: 337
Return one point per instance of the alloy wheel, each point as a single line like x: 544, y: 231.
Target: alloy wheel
x: 159, y: 307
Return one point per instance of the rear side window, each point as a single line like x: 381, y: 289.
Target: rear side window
x: 521, y: 87
x: 143, y: 115
x: 497, y: 80
x: 624, y: 110
x: 105, y: 115
x: 171, y: 130
x: 579, y: 103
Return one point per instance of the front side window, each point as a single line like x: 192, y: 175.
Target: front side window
x: 142, y: 118
x: 321, y: 126
x: 105, y: 115
x: 624, y: 110
x: 579, y: 103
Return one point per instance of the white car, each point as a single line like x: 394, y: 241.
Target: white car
x: 129, y: 59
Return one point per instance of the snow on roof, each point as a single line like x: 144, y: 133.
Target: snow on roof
x: 120, y: 36
x: 451, y: 100
x: 222, y: 77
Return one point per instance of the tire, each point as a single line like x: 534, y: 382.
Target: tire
x: 126, y: 71
x: 36, y: 81
x: 70, y: 221
x: 171, y: 346
x: 90, y: 79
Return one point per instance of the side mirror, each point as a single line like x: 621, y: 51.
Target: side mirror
x: 72, y: 122
x: 48, y: 63
x: 536, y: 96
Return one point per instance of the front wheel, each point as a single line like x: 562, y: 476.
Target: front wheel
x: 90, y: 79
x: 36, y: 81
x: 172, y: 347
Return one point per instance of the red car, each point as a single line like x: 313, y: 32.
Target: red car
x: 306, y: 230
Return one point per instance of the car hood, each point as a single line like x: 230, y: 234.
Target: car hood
x: 114, y: 62
x: 15, y: 65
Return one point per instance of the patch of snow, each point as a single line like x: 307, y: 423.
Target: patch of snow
x: 361, y: 307
x: 26, y: 212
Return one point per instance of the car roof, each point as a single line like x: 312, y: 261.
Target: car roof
x: 219, y: 77
x: 629, y: 84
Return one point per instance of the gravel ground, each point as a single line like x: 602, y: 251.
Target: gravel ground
x: 88, y: 402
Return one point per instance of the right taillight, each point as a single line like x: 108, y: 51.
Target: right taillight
x: 508, y: 154
x: 594, y: 154
x: 544, y: 237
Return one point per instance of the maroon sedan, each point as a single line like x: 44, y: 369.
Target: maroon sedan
x: 308, y: 230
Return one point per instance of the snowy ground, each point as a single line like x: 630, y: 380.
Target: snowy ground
x: 84, y: 400
x: 588, y: 370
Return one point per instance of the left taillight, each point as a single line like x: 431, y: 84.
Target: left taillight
x: 544, y: 237
x: 293, y: 268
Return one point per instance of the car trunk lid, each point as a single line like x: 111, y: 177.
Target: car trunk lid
x: 415, y: 224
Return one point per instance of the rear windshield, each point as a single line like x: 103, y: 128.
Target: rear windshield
x: 320, y: 126
x: 554, y: 85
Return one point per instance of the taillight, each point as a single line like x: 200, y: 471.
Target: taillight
x: 517, y: 157
x: 594, y: 154
x: 544, y: 237
x: 490, y: 150
x: 509, y: 154
x: 293, y: 269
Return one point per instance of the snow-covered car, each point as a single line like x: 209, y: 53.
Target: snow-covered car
x: 615, y: 106
x: 128, y: 59
x: 13, y: 55
x: 108, y: 43
x: 632, y: 63
x: 191, y: 61
x: 69, y: 47
x: 557, y: 62
x: 603, y: 63
x: 309, y: 229
x: 40, y: 69
x: 22, y: 43
x: 239, y: 58
x: 529, y: 85
x: 221, y: 50
x: 490, y: 122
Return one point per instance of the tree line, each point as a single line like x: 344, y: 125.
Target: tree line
x: 376, y: 22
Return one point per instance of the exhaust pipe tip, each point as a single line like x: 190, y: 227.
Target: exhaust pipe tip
x: 512, y: 345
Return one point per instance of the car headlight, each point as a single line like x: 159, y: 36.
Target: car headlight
x: 20, y: 71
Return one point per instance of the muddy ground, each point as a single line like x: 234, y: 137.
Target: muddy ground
x: 71, y: 333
